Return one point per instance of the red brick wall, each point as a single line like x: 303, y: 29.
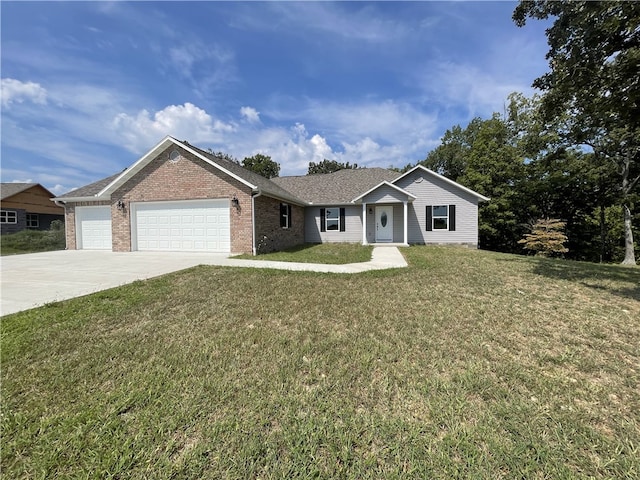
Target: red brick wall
x: 269, y: 235
x: 190, y: 178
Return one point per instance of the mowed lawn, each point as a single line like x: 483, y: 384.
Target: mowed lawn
x: 467, y: 364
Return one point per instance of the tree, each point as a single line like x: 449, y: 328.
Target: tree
x: 594, y: 56
x: 546, y: 238
x: 224, y: 155
x: 262, y: 165
x: 329, y: 166
x: 483, y: 157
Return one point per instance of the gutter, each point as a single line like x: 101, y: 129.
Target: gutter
x: 253, y: 221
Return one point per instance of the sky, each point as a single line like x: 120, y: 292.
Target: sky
x: 89, y: 87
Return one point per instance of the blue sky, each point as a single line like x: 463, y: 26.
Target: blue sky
x: 89, y: 87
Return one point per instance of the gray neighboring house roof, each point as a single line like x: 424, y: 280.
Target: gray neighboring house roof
x: 11, y: 189
x: 337, y: 188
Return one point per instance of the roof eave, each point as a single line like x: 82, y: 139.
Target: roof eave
x: 93, y: 198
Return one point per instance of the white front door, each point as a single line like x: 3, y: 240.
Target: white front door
x: 384, y: 224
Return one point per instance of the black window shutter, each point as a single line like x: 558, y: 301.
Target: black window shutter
x: 342, y: 225
x: 452, y: 218
x: 323, y: 224
x: 429, y: 218
x: 289, y: 216
x: 283, y: 212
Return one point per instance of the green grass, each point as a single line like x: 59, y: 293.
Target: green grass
x: 32, y: 241
x: 331, y: 253
x: 467, y: 364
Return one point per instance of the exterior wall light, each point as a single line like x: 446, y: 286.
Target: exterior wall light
x: 235, y: 202
x: 121, y: 206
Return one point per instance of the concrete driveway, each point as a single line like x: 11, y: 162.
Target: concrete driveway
x: 36, y: 279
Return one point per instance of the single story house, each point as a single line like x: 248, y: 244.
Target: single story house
x: 178, y: 197
x: 27, y: 206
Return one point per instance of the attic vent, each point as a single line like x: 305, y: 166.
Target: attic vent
x: 174, y: 156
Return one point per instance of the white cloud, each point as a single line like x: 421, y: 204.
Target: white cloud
x: 480, y: 92
x: 15, y: 91
x: 205, y: 66
x: 332, y: 21
x: 250, y: 114
x: 181, y: 121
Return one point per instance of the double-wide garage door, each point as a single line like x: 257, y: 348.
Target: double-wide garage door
x: 193, y: 225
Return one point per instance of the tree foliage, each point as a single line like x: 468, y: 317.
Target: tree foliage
x: 224, y: 155
x: 594, y: 59
x: 529, y: 172
x: 262, y: 165
x: 329, y: 166
x: 547, y: 238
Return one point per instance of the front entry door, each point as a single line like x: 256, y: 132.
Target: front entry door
x: 384, y: 224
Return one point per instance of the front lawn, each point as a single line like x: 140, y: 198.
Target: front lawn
x: 467, y: 364
x: 331, y: 253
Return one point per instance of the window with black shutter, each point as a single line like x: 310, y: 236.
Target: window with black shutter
x: 285, y: 215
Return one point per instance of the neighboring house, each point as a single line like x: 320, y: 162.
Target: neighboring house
x: 27, y: 205
x: 178, y: 197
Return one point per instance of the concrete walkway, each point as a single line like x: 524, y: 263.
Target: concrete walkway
x: 36, y: 279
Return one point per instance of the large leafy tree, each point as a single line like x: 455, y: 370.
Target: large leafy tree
x: 262, y: 165
x: 329, y: 166
x: 594, y: 80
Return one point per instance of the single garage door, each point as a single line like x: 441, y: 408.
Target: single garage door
x: 93, y: 228
x: 189, y: 226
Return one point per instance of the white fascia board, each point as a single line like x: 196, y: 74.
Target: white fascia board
x: 280, y: 198
x: 81, y: 199
x: 444, y: 179
x: 388, y: 184
x: 151, y: 154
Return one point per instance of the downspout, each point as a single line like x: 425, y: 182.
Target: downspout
x: 63, y: 204
x: 253, y: 221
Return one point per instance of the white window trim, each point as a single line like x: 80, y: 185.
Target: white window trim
x: 287, y: 220
x: 336, y: 219
x: 435, y: 217
x: 9, y: 217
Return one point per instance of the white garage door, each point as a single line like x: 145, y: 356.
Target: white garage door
x: 193, y: 226
x: 93, y: 227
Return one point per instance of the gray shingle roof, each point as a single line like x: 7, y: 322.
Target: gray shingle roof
x: 11, y: 189
x: 91, y: 189
x: 266, y: 186
x: 335, y: 188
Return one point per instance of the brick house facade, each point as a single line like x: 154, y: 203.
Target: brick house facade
x: 178, y: 197
x: 176, y: 172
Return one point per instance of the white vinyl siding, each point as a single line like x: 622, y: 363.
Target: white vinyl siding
x: 93, y: 228
x: 189, y: 226
x: 385, y: 194
x: 431, y: 190
x: 352, y: 228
